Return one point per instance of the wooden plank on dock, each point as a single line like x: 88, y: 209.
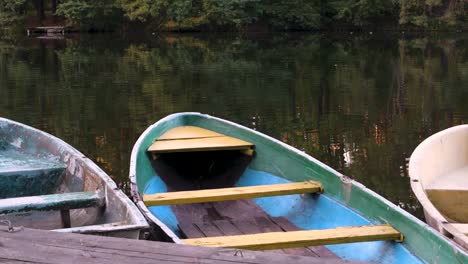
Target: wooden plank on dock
x: 223, y: 194
x: 277, y: 240
x: 47, y: 247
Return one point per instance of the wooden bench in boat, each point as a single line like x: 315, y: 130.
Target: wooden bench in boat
x: 304, y: 238
x: 190, y: 138
x: 224, y: 194
x: 271, y: 240
x: 19, y: 170
x: 63, y: 202
x: 260, y: 222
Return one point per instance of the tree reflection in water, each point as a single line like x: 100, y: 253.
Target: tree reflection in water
x: 359, y: 104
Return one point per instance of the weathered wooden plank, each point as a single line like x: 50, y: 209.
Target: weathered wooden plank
x: 287, y: 226
x: 63, y: 201
x: 189, y: 229
x: 251, y: 227
x: 227, y: 227
x: 208, y: 229
x: 275, y: 240
x: 39, y: 246
x: 223, y: 194
x: 199, y: 144
x: 451, y: 203
x: 266, y: 225
x: 187, y: 132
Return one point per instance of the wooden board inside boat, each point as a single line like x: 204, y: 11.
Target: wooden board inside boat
x: 451, y: 203
x: 238, y: 217
x: 190, y: 138
x: 280, y: 240
x: 234, y: 193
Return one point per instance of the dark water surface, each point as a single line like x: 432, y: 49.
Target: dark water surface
x: 361, y: 104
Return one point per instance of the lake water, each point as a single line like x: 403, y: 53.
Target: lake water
x: 360, y: 103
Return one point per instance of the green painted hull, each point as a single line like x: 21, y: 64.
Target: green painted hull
x: 277, y: 158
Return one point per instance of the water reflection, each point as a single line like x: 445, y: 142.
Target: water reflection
x: 359, y: 104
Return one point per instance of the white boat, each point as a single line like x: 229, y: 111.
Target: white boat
x: 438, y: 170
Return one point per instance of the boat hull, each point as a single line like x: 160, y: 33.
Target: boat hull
x: 438, y: 171
x: 288, y: 164
x: 33, y: 152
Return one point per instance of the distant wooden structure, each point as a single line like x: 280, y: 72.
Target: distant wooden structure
x: 53, y: 30
x: 39, y: 246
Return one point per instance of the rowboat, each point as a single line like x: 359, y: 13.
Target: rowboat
x: 47, y: 184
x: 205, y: 181
x: 438, y: 170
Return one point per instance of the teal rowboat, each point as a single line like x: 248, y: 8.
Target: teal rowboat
x: 47, y: 184
x: 205, y: 181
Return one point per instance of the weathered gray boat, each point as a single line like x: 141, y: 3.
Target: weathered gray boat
x: 47, y: 184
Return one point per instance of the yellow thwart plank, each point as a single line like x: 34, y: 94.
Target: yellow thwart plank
x: 199, y: 144
x: 185, y: 132
x: 214, y: 195
x: 191, y: 138
x: 279, y: 240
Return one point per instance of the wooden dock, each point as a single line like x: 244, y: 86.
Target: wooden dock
x: 53, y: 30
x: 39, y: 246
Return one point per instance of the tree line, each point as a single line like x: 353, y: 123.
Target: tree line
x: 235, y: 15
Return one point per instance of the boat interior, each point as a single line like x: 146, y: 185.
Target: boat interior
x: 442, y: 171
x: 47, y: 185
x: 209, y: 194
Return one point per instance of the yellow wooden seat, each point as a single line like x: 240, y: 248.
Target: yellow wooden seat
x: 305, y: 238
x: 223, y: 194
x: 190, y: 138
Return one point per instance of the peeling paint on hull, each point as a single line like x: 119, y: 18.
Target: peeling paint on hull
x: 34, y: 163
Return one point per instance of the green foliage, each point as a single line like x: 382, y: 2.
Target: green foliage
x: 293, y: 14
x: 77, y: 12
x: 144, y: 10
x: 212, y: 12
x: 11, y: 11
x: 90, y: 14
x: 230, y: 12
x: 244, y: 14
x: 363, y: 12
x: 434, y: 14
